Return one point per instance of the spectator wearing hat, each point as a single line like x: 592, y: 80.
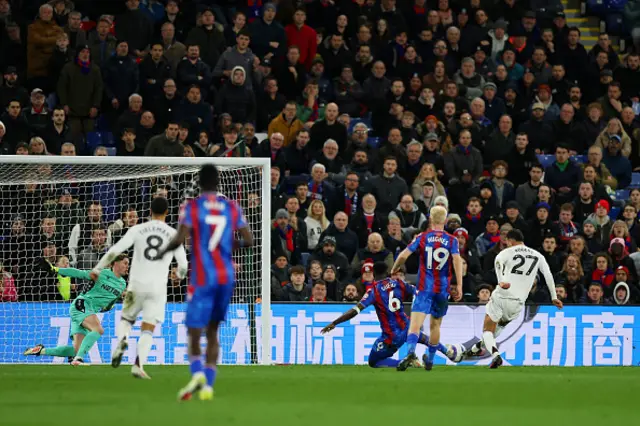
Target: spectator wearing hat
x: 346, y: 239
x: 540, y: 226
x: 208, y: 38
x: 302, y: 35
x: 38, y: 115
x: 620, y: 257
x: 494, y: 106
x: 515, y: 106
x: 600, y: 217
x: 334, y: 287
x: 538, y: 130
x: 490, y: 237
x: 284, y: 237
x: 11, y: 89
x: 268, y: 36
x: 543, y: 96
x: 591, y: 235
x: 513, y: 217
x: 296, y: 290
x: 621, y: 293
x: 136, y: 27
x: 498, y: 37
x: 41, y: 42
x: 485, y: 65
x: 327, y: 254
x: 468, y: 251
x: 617, y: 162
x: 508, y: 59
x: 614, y: 129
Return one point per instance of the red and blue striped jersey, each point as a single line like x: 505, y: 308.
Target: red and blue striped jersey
x: 212, y: 220
x: 387, y: 296
x: 435, y: 249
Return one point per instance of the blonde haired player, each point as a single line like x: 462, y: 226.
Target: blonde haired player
x: 516, y: 267
x: 147, y: 290
x: 438, y: 254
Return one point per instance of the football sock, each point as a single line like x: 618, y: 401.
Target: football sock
x: 123, y: 329
x: 423, y: 339
x: 387, y: 362
x: 412, y: 341
x: 432, y: 352
x: 441, y: 348
x: 59, y: 351
x: 144, y: 346
x: 195, y: 364
x: 490, y: 343
x: 89, y: 340
x: 210, y: 372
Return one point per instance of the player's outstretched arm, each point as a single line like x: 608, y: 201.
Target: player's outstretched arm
x: 551, y: 284
x: 183, y: 265
x: 75, y: 273
x: 402, y: 258
x: 351, y: 313
x: 120, y: 247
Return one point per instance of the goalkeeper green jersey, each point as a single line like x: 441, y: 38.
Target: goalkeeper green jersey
x: 106, y: 291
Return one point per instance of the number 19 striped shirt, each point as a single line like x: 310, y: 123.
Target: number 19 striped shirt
x: 435, y: 263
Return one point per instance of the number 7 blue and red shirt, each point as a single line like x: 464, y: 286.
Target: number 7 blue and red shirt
x: 435, y: 263
x: 212, y: 220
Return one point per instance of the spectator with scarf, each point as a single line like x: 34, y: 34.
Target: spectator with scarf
x: 366, y: 276
x: 375, y: 251
x: 468, y: 251
x: 284, y: 237
x: 368, y: 220
x: 568, y: 229
x: 473, y: 219
x: 602, y: 272
x: 602, y: 221
x: 463, y: 167
x: 349, y: 197
x: 490, y: 237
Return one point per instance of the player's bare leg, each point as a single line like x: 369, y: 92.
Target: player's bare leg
x: 417, y: 319
x: 91, y: 323
x: 211, y: 359
x: 122, y: 333
x: 198, y: 379
x: 144, y: 346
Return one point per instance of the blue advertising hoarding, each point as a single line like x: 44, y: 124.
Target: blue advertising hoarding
x: 575, y: 336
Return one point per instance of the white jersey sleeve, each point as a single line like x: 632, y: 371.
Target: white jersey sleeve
x: 519, y: 265
x: 181, y: 257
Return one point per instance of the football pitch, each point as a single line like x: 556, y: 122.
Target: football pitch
x: 321, y: 396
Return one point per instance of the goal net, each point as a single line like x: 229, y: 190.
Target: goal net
x: 67, y: 211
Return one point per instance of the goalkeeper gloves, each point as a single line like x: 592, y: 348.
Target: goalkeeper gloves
x: 64, y: 283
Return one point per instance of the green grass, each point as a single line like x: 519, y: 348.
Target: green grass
x: 321, y: 395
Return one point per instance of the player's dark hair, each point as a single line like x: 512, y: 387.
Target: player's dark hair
x: 159, y: 206
x: 516, y: 235
x: 380, y: 270
x: 208, y: 177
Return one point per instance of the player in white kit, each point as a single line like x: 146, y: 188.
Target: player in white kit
x: 147, y: 289
x: 517, y: 268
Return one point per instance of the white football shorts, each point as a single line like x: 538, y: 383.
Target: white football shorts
x: 152, y: 306
x: 500, y: 309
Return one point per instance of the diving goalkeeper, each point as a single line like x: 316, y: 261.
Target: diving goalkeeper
x: 85, y: 325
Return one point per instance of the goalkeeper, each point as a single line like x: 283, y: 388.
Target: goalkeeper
x: 85, y: 325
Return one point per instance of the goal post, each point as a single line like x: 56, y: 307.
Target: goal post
x: 70, y: 210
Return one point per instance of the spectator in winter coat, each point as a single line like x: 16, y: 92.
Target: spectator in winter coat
x: 121, y: 77
x: 240, y: 55
x: 563, y: 174
x: 346, y: 239
x: 284, y: 237
x: 490, y: 237
x: 41, y: 42
x: 471, y: 82
x: 468, y: 251
x: 236, y: 99
x: 327, y: 254
x: 193, y: 71
x: 594, y: 158
x: 368, y: 220
x: 286, y: 123
x: 80, y: 91
x: 268, y: 36
x: 602, y: 222
x: 500, y: 143
x: 166, y: 144
x: 329, y: 128
x: 463, y: 167
x: 540, y: 226
x: 193, y: 110
x: 208, y: 38
x: 153, y: 71
x: 301, y: 35
x: 411, y: 219
x: 135, y: 27
x: 375, y: 251
x: 388, y: 187
x: 296, y: 290
x: 617, y: 162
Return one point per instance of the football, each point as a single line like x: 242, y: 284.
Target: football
x: 455, y: 352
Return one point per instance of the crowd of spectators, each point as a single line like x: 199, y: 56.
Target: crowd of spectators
x: 373, y: 112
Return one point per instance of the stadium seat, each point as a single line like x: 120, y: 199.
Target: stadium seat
x: 580, y: 159
x: 305, y: 258
x: 615, y: 23
x: 102, y: 125
x: 111, y: 150
x: 546, y: 160
x: 373, y: 142
x: 635, y: 180
x: 614, y: 212
x: 622, y: 194
x: 94, y: 140
x: 108, y: 140
x: 596, y: 7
